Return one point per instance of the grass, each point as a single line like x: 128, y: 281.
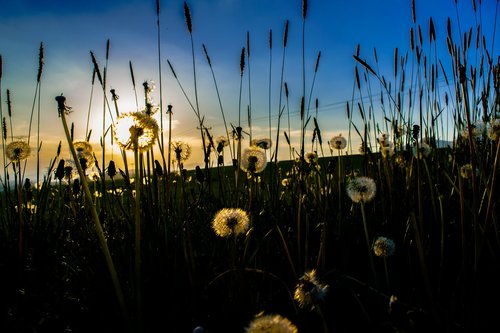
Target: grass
x: 133, y: 253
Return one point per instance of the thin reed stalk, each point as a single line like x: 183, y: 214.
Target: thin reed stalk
x: 368, y: 244
x: 4, y: 128
x: 218, y: 98
x: 269, y: 86
x: 158, y: 46
x: 189, y: 24
x: 137, y: 239
x: 249, y: 88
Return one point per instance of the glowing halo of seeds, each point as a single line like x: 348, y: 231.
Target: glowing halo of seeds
x: 135, y: 127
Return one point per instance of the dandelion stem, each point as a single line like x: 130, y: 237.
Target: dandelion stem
x: 95, y: 217
x: 369, y: 244
x: 137, y: 243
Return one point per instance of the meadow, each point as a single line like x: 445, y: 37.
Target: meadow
x: 392, y: 228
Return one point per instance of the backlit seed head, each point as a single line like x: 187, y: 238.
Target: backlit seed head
x: 384, y: 247
x: 230, y: 221
x: 338, y: 142
x: 253, y: 160
x: 18, y: 151
x: 361, y: 189
x: 135, y: 130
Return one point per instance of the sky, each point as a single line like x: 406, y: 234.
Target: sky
x: 70, y: 30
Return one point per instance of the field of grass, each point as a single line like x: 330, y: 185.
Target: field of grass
x: 402, y: 236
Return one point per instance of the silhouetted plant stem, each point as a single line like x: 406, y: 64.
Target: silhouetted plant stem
x: 369, y: 244
x: 62, y: 109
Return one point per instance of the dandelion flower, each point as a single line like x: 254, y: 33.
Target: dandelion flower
x: 466, y: 171
x: 338, y: 142
x: 181, y: 150
x: 70, y: 170
x: 477, y: 131
x: 384, y: 247
x: 494, y: 129
x: 135, y: 130
x: 84, y: 153
x: 387, y: 150
x: 230, y: 221
x: 94, y: 175
x: 311, y: 157
x: 18, y: 151
x: 383, y: 140
x: 253, y: 160
x: 271, y: 324
x: 149, y: 86
x: 221, y: 142
x: 309, y: 291
x: 424, y: 150
x: 361, y: 189
x: 263, y: 143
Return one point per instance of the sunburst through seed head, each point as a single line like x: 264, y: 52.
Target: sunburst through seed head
x: 135, y: 130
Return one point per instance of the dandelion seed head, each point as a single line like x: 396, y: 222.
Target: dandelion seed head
x: 263, y: 143
x: 18, y: 151
x: 94, y: 175
x: 230, y: 221
x: 466, y: 171
x: 272, y: 323
x: 135, y: 130
x: 384, y: 247
x: 477, y: 131
x: 181, y: 150
x: 84, y: 153
x: 70, y: 170
x: 253, y: 160
x: 424, y: 150
x: 149, y: 86
x: 221, y: 142
x: 361, y: 189
x: 311, y: 157
x: 309, y: 291
x: 387, y: 150
x: 494, y: 129
x: 383, y: 140
x: 338, y: 142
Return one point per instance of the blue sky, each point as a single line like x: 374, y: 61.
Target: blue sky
x: 69, y: 30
